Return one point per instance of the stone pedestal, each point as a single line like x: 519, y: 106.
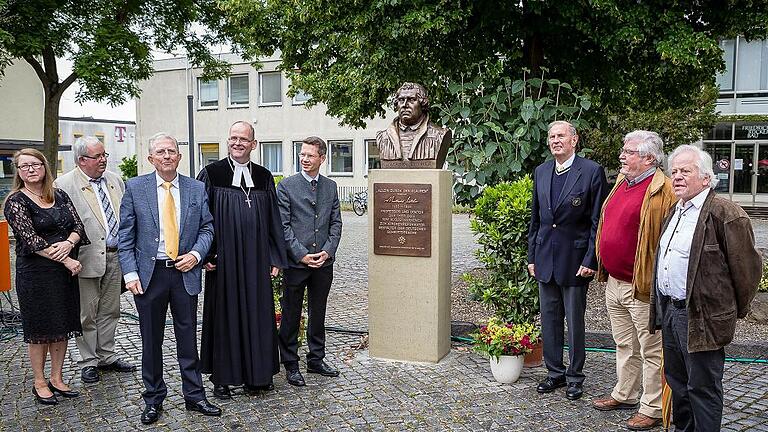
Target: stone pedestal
x: 409, y: 297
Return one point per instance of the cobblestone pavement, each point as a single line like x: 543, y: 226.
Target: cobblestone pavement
x: 458, y: 394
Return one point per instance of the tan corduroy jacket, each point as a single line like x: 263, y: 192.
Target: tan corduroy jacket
x: 657, y: 201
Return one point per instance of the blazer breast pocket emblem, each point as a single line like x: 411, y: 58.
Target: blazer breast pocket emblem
x: 576, y: 202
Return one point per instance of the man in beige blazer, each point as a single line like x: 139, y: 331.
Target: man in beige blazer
x: 96, y: 194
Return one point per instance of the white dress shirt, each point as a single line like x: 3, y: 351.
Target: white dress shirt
x: 567, y: 164
x: 161, y: 254
x: 308, y: 178
x: 675, y: 247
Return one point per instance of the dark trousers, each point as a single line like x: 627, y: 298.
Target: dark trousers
x: 559, y: 304
x: 696, y: 379
x: 318, y: 285
x: 167, y: 287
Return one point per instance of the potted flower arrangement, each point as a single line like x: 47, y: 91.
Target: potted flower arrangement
x: 505, y: 344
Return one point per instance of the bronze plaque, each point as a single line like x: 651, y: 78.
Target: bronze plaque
x: 402, y: 219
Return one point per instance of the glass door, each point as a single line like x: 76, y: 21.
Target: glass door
x: 744, y: 169
x: 721, y: 161
x: 762, y: 172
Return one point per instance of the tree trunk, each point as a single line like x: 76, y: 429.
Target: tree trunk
x: 51, y: 130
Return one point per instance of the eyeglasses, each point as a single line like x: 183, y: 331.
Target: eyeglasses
x: 26, y: 167
x: 238, y: 140
x: 628, y: 152
x: 163, y: 152
x: 308, y: 156
x: 98, y: 156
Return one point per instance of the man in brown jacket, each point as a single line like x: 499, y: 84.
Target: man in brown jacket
x: 627, y: 238
x: 707, y: 272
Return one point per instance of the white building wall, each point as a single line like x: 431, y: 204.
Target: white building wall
x: 163, y: 107
x: 119, y: 140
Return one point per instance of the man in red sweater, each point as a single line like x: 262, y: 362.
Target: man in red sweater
x: 627, y: 238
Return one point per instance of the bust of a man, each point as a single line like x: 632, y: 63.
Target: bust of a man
x: 412, y: 141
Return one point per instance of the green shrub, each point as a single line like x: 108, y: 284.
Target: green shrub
x: 129, y: 167
x: 763, y: 286
x: 502, y: 216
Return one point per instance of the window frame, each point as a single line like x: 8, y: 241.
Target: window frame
x: 367, y: 155
x: 247, y: 102
x: 329, y: 157
x: 200, y: 106
x: 261, y: 88
x: 262, y: 145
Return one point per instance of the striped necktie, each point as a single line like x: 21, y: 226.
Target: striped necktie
x: 109, y: 214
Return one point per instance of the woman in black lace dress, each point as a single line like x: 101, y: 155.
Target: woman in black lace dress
x: 47, y: 230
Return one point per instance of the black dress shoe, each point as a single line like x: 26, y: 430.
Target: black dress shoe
x: 574, y: 391
x: 203, y: 407
x: 254, y: 389
x: 151, y: 413
x: 65, y: 393
x: 323, y: 369
x: 89, y: 374
x: 294, y: 378
x: 550, y: 384
x: 119, y: 365
x: 51, y: 400
x: 221, y: 391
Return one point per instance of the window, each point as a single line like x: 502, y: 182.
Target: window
x: 270, y: 90
x: 208, y: 93
x: 340, y: 154
x: 100, y: 137
x: 209, y: 153
x: 752, y: 65
x: 238, y: 90
x: 301, y: 97
x: 272, y: 156
x: 725, y: 79
x: 372, y: 149
x: 296, y: 151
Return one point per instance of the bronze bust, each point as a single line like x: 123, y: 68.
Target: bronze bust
x: 412, y: 141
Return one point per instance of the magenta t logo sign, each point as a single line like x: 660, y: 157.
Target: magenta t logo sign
x: 120, y: 133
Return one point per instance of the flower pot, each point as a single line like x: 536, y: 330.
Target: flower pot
x: 507, y: 369
x: 535, y: 358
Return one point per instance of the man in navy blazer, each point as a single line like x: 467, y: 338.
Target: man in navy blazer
x: 568, y: 193
x: 165, y: 229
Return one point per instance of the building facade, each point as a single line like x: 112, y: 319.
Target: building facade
x: 256, y: 96
x: 739, y: 142
x: 118, y: 137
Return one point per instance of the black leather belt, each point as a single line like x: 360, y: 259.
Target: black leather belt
x: 111, y: 249
x: 169, y: 263
x: 679, y: 304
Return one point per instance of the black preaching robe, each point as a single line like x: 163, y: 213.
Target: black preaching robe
x: 239, y: 337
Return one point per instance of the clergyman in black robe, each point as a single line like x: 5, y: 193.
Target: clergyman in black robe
x: 239, y: 339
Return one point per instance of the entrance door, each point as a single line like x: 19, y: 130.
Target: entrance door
x: 744, y: 170
x: 761, y: 173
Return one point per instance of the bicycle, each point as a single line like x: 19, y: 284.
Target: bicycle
x: 360, y: 203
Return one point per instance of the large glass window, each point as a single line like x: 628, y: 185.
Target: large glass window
x: 372, y: 149
x: 751, y: 131
x: 208, y: 93
x: 340, y: 153
x: 209, y: 153
x: 725, y: 79
x: 238, y: 90
x: 271, y: 92
x: 721, y: 163
x: 301, y: 97
x: 721, y: 131
x: 296, y: 159
x: 272, y: 156
x: 752, y: 65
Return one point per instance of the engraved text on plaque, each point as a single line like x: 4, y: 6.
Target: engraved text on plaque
x: 402, y: 219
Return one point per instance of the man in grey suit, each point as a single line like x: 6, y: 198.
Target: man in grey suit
x: 311, y: 217
x: 96, y: 195
x: 165, y: 229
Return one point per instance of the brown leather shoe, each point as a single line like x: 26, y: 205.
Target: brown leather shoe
x: 641, y: 422
x: 610, y: 404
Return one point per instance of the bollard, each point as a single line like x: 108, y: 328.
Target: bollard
x: 5, y: 258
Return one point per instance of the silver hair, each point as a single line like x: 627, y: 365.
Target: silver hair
x: 80, y: 147
x: 703, y: 162
x: 649, y: 143
x: 161, y: 136
x: 571, y: 129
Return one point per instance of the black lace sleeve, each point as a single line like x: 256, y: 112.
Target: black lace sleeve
x: 19, y: 218
x: 79, y: 228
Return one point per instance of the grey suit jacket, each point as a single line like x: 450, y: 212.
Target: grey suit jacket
x: 311, y: 220
x: 86, y: 200
x: 140, y: 229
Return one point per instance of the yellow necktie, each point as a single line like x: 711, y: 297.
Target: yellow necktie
x: 170, y: 229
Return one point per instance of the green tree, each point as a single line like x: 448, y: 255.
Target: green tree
x: 128, y: 167
x: 350, y: 55
x: 110, y: 44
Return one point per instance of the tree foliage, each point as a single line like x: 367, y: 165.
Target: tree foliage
x: 350, y: 55
x: 110, y: 44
